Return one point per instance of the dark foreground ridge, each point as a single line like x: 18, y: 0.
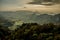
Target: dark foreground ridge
x: 32, y: 31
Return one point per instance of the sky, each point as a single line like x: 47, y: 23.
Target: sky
x: 13, y: 5
x: 4, y: 4
x: 13, y: 2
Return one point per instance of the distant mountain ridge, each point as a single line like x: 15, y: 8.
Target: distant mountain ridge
x: 31, y: 17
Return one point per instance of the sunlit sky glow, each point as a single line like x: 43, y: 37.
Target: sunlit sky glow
x: 4, y: 4
x: 13, y: 5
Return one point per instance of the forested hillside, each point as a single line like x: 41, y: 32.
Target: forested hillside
x: 32, y: 31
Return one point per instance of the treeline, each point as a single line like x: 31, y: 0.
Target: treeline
x: 32, y: 31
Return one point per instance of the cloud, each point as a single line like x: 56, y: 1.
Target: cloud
x: 40, y: 1
x: 10, y: 5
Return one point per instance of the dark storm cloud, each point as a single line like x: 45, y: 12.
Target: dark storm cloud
x: 40, y: 1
